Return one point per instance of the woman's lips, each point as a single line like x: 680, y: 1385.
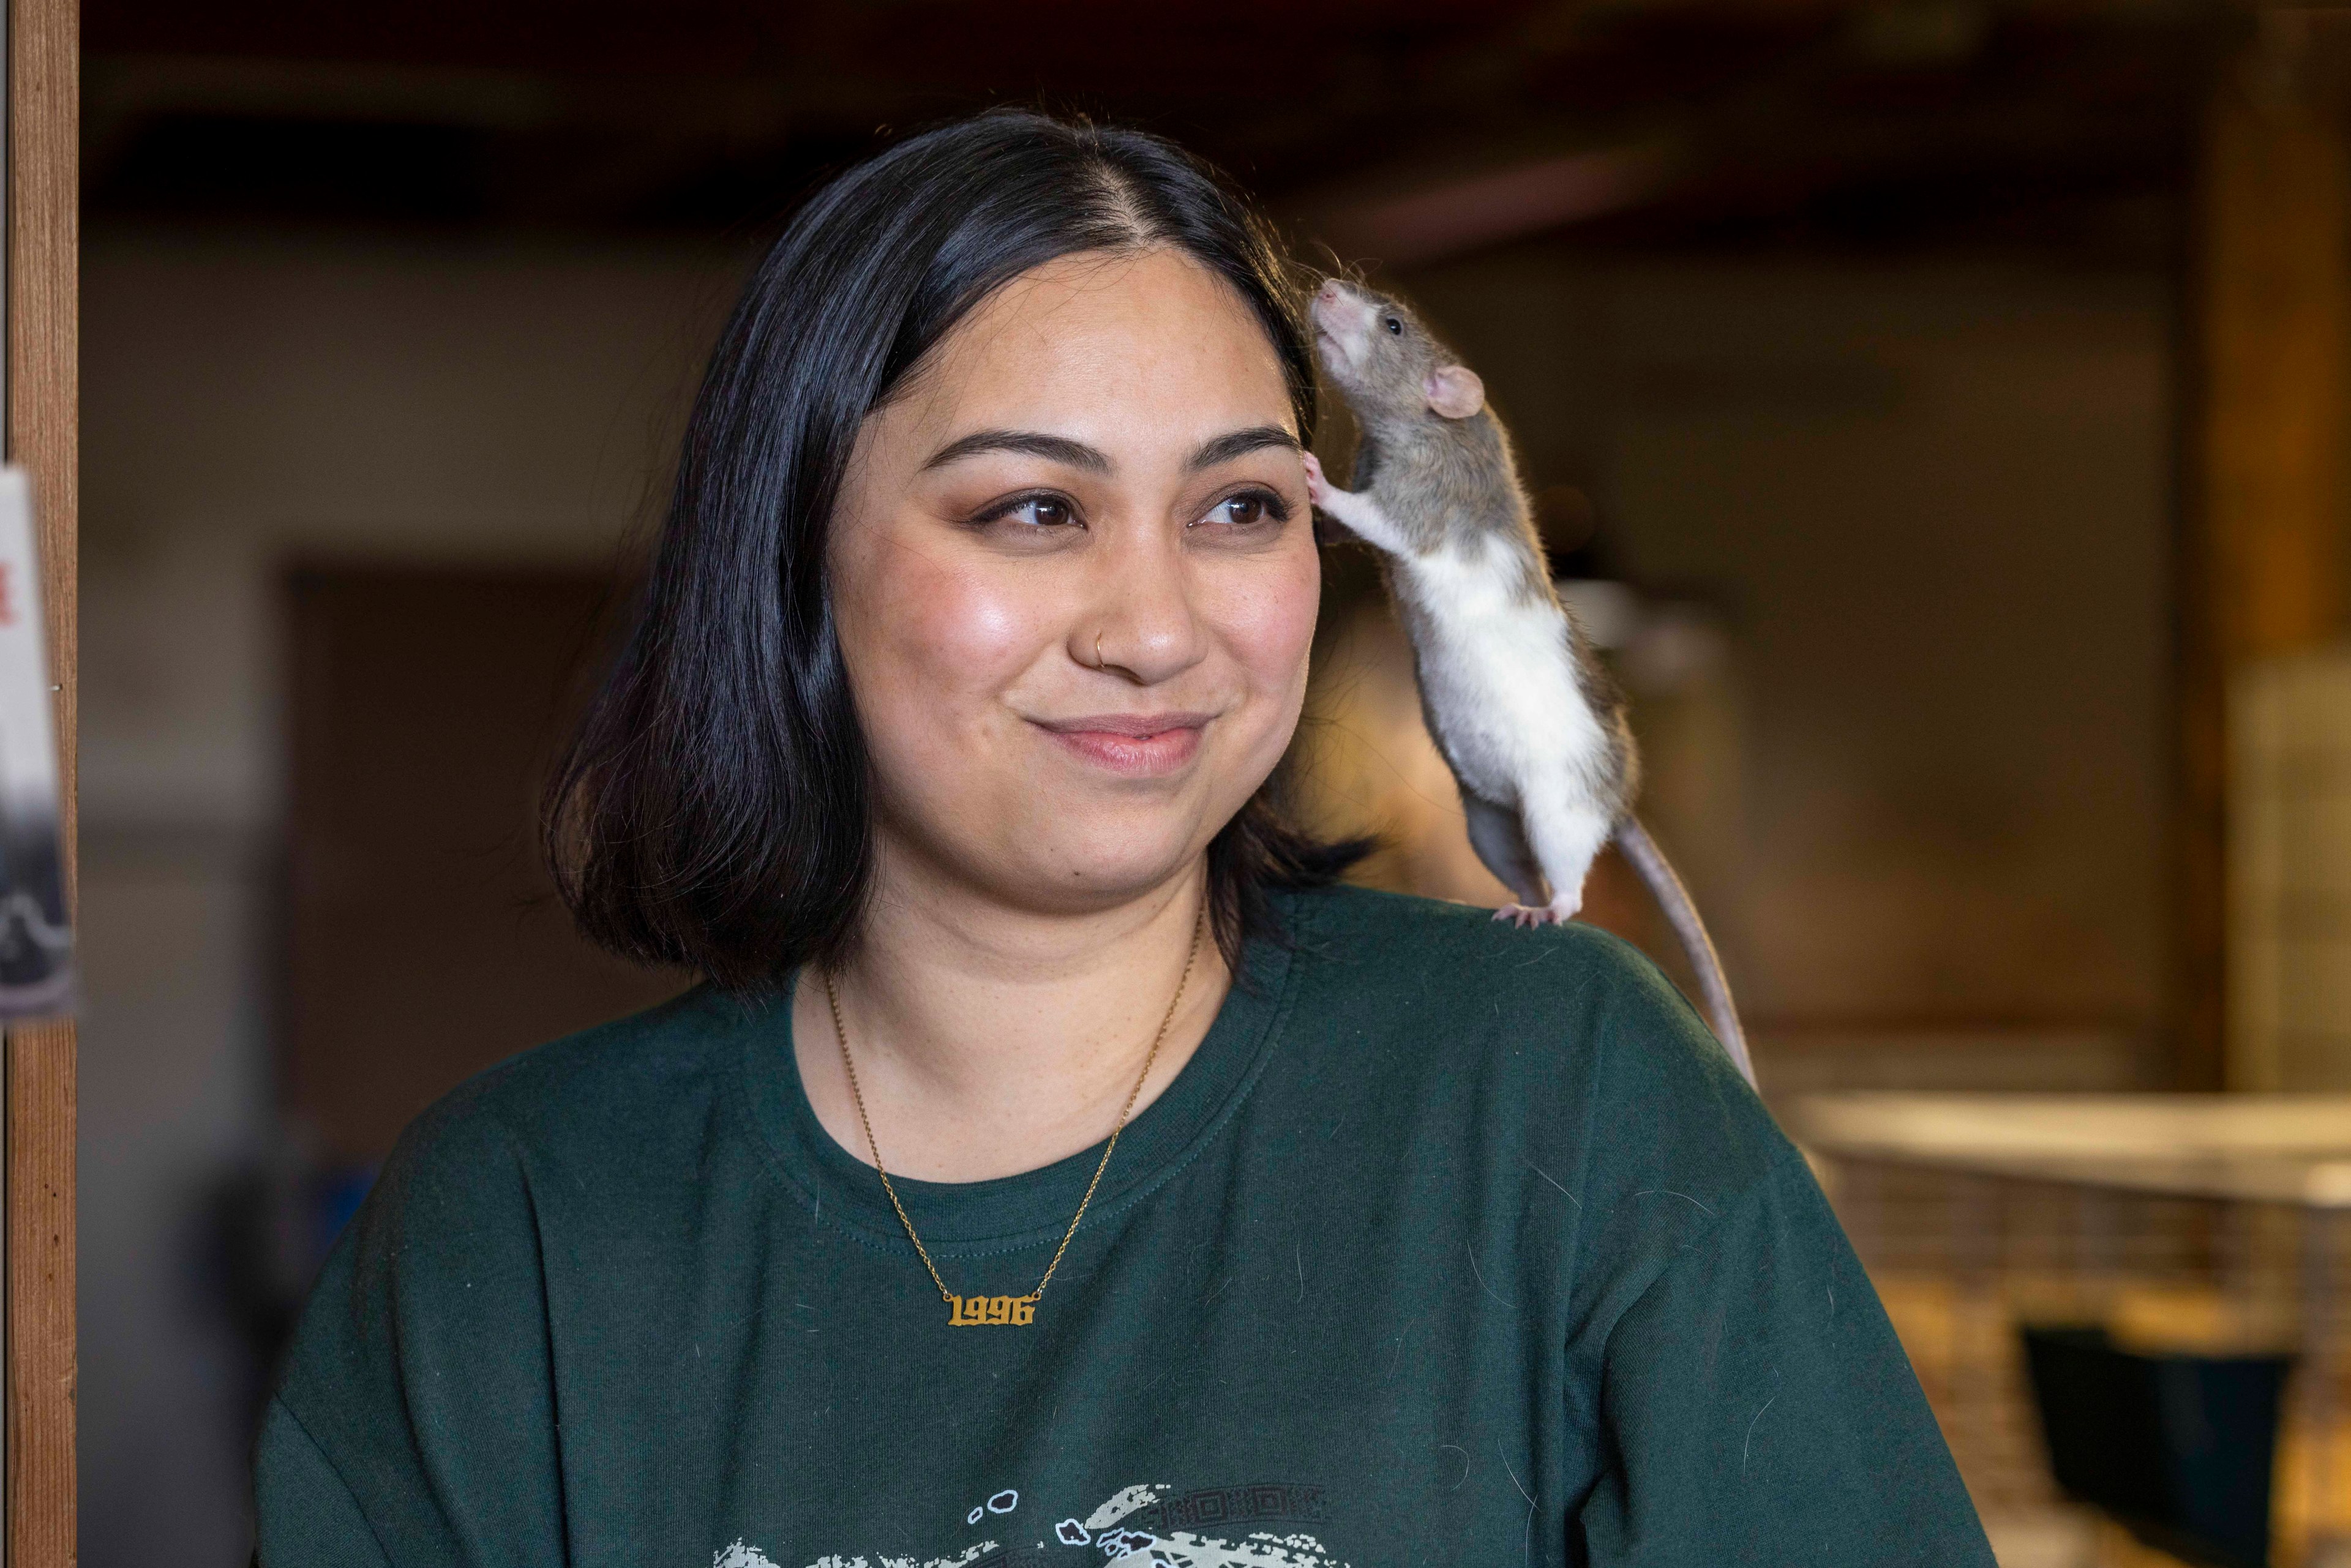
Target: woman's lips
x: 1135, y: 746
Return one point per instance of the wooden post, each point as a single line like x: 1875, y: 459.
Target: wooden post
x: 2267, y: 412
x: 44, y: 107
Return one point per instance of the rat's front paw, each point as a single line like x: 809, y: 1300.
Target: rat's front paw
x: 1525, y: 915
x: 1318, y: 488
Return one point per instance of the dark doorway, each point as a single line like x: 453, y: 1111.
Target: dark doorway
x: 424, y: 938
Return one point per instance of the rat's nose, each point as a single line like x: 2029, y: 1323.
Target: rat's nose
x: 1328, y: 293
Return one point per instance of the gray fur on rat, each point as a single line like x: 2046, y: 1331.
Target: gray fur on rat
x: 1523, y: 712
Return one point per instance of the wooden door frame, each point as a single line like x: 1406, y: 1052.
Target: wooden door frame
x: 42, y: 420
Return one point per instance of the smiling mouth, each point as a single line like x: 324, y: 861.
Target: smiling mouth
x: 1134, y: 745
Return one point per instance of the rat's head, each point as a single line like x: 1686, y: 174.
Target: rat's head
x: 1384, y: 361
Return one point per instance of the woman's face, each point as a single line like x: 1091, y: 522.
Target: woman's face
x: 1075, y: 581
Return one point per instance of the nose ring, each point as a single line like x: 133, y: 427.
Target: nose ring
x: 1099, y: 660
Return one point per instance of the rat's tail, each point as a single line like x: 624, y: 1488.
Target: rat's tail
x: 1682, y: 914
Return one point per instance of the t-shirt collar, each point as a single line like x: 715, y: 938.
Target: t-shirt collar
x: 1005, y: 1213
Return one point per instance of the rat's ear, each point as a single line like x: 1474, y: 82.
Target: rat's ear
x: 1455, y: 392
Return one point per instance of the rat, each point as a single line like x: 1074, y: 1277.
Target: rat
x: 1520, y: 708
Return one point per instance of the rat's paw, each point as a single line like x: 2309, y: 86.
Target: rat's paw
x: 1525, y: 915
x: 1318, y: 487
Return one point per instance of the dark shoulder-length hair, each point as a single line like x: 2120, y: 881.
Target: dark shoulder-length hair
x: 714, y: 811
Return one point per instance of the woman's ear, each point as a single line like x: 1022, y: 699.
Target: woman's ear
x: 1455, y: 392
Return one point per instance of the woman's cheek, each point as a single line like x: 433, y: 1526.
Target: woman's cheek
x: 963, y: 630
x: 1269, y: 618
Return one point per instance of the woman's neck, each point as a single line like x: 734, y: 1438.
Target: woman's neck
x: 991, y: 1041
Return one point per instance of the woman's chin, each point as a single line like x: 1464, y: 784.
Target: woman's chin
x: 1091, y: 874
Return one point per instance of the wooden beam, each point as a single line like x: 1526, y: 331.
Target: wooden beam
x: 42, y: 429
x: 2276, y: 301
x: 2266, y: 495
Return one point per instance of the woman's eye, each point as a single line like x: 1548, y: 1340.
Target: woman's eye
x: 1040, y: 511
x: 1248, y: 509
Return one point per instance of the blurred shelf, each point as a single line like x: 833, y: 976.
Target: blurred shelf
x: 2254, y: 1148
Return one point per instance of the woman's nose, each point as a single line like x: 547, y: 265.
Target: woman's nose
x: 1144, y: 629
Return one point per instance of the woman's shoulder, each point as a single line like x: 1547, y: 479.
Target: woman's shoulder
x: 581, y: 1149
x: 1376, y: 919
x: 596, y: 1096
x: 1423, y: 956
x: 1439, y: 1005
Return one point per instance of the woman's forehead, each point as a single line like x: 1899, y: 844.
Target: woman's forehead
x: 1096, y: 334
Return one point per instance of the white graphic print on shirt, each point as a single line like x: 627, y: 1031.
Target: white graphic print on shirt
x: 1139, y: 1525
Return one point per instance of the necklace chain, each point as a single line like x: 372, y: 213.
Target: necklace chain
x: 841, y: 1033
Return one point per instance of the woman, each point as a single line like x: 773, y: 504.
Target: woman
x: 1057, y: 1166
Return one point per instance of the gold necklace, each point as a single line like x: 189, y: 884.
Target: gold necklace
x: 973, y: 1311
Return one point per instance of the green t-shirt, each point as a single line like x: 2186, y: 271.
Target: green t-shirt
x: 1452, y: 1244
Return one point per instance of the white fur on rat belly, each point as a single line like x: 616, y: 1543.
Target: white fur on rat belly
x: 1502, y: 679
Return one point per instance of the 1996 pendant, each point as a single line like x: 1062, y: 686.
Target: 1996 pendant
x: 974, y: 1311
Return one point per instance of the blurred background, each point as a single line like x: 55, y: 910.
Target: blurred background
x: 1938, y: 406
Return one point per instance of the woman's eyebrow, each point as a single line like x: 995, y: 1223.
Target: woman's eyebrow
x: 1078, y: 454
x: 1240, y: 443
x: 1027, y: 443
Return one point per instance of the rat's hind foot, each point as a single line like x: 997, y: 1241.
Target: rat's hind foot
x: 1557, y: 911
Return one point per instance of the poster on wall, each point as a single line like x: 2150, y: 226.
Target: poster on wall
x: 37, y: 977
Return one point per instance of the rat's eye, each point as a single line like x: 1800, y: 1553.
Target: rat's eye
x: 1395, y: 326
